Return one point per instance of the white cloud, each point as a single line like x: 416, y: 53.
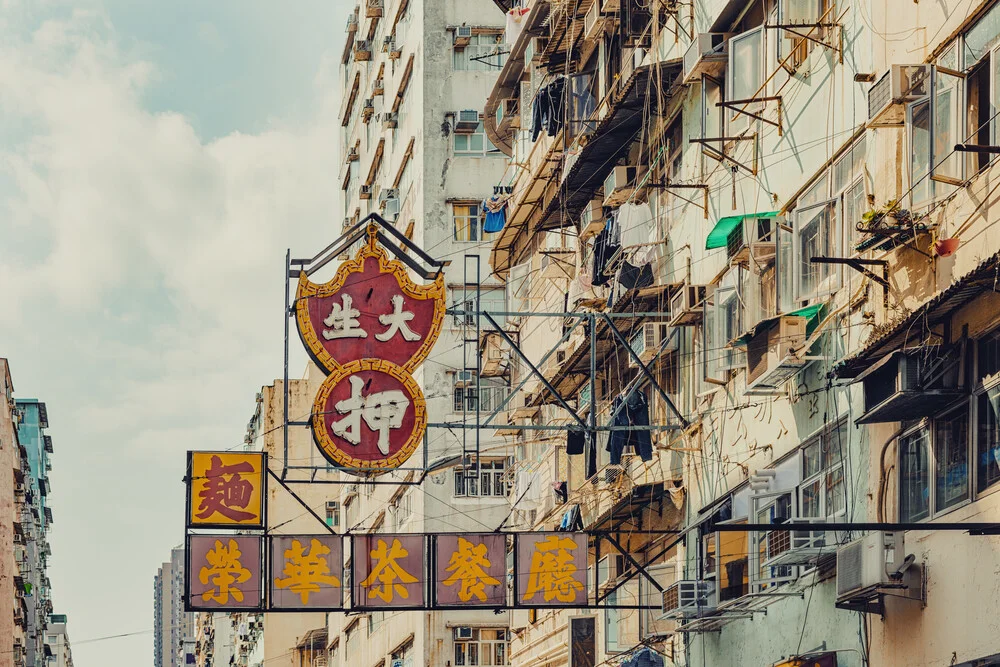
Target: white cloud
x: 142, y: 274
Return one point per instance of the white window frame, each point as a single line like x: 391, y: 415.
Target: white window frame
x: 480, y: 44
x: 333, y: 513
x: 491, y: 473
x: 829, y: 281
x: 737, y: 122
x: 481, y: 645
x: 492, y: 392
x: 494, y: 299
x: 487, y: 148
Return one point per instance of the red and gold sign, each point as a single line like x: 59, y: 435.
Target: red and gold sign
x: 226, y: 489
x: 368, y: 329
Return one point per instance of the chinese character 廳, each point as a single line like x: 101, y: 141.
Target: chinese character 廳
x: 552, y: 570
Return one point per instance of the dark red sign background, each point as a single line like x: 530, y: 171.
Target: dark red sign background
x: 368, y: 448
x: 371, y: 292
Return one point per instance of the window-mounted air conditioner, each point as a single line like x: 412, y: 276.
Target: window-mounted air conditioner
x: 707, y: 54
x: 534, y: 51
x: 685, y: 305
x: 887, y: 98
x: 379, y: 87
x: 387, y: 194
x: 387, y: 43
x: 874, y: 561
x: 593, y: 22
x: 395, y: 50
x: 362, y: 50
x: 353, y: 154
x: 752, y: 242
x: 772, y: 355
x: 798, y: 547
x: 368, y: 109
x: 365, y: 192
x: 352, y: 23
x: 909, y: 385
x: 592, y: 218
x: 647, y: 340
x: 620, y: 184
x: 463, y: 35
x: 509, y: 114
x: 466, y: 121
x: 374, y: 9
x: 390, y: 119
x: 685, y: 598
x: 463, y: 633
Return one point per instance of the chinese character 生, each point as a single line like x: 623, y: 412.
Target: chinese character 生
x: 225, y: 490
x: 343, y: 321
x: 467, y: 568
x: 387, y: 576
x: 225, y: 571
x: 305, y: 571
x: 552, y: 570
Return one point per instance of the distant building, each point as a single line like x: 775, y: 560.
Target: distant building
x: 33, y: 420
x: 173, y: 628
x: 57, y: 647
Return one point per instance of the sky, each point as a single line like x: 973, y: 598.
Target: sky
x: 156, y: 160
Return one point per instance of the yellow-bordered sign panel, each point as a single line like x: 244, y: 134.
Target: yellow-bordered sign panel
x: 226, y: 489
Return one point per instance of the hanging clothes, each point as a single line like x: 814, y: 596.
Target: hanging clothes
x: 644, y: 657
x: 606, y: 245
x: 575, y: 439
x: 635, y: 412
x: 515, y: 23
x: 634, y: 277
x: 495, y: 209
x: 547, y: 109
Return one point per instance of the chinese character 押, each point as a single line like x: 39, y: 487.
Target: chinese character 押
x: 381, y: 411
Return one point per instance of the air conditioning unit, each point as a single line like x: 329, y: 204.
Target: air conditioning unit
x: 362, y: 50
x: 352, y: 23
x: 509, y: 114
x: 353, y: 154
x: 379, y: 87
x: 685, y: 598
x: 463, y: 633
x: 620, y: 185
x: 752, y: 242
x: 646, y: 342
x: 387, y: 43
x: 463, y: 35
x: 534, y: 51
x: 368, y: 109
x: 872, y: 562
x: 686, y: 305
x: 387, y: 194
x: 593, y: 22
x: 707, y: 54
x: 365, y: 192
x: 910, y: 385
x: 772, y: 355
x: 798, y: 547
x: 888, y: 97
x: 592, y: 219
x: 395, y: 50
x: 466, y: 121
x: 374, y: 9
x: 390, y: 120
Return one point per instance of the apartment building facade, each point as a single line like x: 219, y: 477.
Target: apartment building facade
x: 37, y: 520
x: 60, y: 653
x: 416, y: 75
x: 786, y: 272
x: 173, y: 627
x: 13, y: 618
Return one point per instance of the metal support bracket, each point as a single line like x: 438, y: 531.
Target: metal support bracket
x: 731, y: 105
x: 720, y: 155
x: 666, y: 185
x: 860, y: 265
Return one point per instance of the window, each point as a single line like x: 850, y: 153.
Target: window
x: 934, y: 466
x: 493, y: 300
x: 723, y: 324
x: 483, y: 647
x: 474, y: 144
x: 988, y: 439
x: 725, y: 561
x: 492, y: 392
x: 823, y: 491
x: 350, y: 512
x: 804, y: 13
x: 612, y: 621
x: 774, y: 542
x: 489, y: 483
x: 745, y: 77
x: 482, y: 54
x: 403, y: 656
x: 468, y: 224
x: 402, y: 509
x: 332, y: 513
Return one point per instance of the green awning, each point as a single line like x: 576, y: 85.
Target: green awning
x: 809, y: 312
x: 717, y: 237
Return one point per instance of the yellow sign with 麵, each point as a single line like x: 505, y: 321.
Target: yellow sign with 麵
x: 226, y: 489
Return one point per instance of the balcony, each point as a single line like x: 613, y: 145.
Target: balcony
x: 554, y: 205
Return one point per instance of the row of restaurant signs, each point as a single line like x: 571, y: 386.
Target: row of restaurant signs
x: 392, y: 571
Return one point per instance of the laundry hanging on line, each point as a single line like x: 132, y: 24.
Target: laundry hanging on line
x: 495, y: 210
x: 634, y: 412
x: 547, y: 109
x: 606, y: 245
